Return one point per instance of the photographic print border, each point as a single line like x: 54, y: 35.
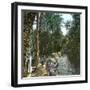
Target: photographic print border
x: 14, y: 43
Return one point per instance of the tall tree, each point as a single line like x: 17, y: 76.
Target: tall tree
x: 73, y: 46
x: 50, y: 32
x: 27, y: 29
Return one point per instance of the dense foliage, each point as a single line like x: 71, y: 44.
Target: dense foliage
x: 73, y: 45
x: 43, y: 35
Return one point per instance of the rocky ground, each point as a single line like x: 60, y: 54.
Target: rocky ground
x: 54, y: 65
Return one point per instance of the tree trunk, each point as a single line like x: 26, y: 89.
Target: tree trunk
x: 37, y: 42
x: 27, y: 28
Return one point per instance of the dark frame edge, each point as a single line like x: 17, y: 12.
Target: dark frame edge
x: 13, y: 45
x: 52, y: 83
x: 51, y: 5
x: 86, y: 39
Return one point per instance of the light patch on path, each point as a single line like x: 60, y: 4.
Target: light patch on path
x: 64, y: 66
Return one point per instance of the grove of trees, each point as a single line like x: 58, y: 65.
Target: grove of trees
x: 42, y: 35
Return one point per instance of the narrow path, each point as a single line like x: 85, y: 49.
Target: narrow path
x: 64, y: 66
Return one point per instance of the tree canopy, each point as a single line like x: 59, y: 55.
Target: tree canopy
x: 43, y: 35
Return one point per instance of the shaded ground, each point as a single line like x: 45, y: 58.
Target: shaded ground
x: 57, y: 65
